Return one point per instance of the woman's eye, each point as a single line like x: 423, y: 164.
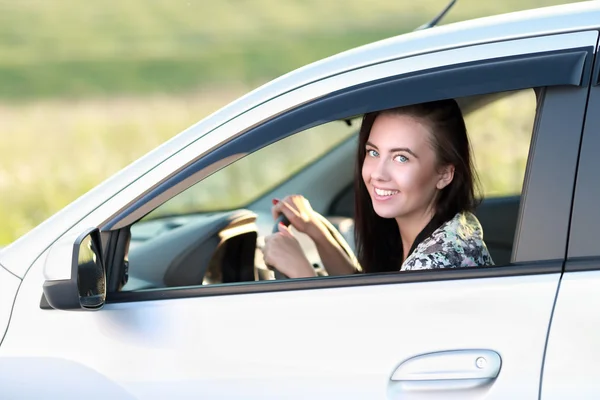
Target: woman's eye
x: 372, y: 153
x: 401, y: 159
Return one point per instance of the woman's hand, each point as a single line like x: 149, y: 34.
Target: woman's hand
x: 299, y: 212
x: 282, y: 251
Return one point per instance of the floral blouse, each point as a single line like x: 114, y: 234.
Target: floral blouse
x: 456, y: 243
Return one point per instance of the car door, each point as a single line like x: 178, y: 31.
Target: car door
x: 460, y: 333
x: 9, y: 284
x: 572, y: 361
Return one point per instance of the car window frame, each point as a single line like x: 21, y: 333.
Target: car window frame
x: 274, y: 185
x: 564, y: 72
x: 583, y: 253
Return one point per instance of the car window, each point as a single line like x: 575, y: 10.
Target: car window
x: 205, y: 235
x: 183, y: 250
x: 500, y: 135
x: 240, y: 183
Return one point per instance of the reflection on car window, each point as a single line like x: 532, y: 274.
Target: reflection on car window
x: 500, y: 135
x: 241, y: 182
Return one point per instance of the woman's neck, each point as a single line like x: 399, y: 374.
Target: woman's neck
x: 410, y: 226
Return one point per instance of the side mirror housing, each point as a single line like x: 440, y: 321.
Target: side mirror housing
x: 83, y: 286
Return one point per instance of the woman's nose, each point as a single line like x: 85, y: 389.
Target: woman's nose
x: 379, y: 171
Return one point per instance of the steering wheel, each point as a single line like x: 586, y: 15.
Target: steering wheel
x: 332, y: 230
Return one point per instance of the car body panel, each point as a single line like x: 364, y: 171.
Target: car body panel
x: 572, y: 361
x: 55, y: 378
x: 9, y: 284
x: 294, y: 344
x: 18, y: 256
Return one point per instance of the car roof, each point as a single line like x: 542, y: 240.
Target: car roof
x: 19, y: 255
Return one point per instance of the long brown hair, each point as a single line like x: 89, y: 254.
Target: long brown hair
x: 378, y: 242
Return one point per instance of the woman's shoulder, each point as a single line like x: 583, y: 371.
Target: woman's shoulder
x: 456, y: 243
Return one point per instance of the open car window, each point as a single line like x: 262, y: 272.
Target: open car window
x: 248, y: 178
x: 210, y: 237
x: 500, y: 135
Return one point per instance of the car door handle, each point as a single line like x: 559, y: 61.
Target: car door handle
x: 450, y: 365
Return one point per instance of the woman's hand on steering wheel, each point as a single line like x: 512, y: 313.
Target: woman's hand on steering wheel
x: 300, y: 214
x: 282, y: 251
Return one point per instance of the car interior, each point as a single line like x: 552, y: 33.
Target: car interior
x: 224, y: 247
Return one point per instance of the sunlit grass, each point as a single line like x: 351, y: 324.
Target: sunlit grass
x: 78, y: 48
x: 75, y: 30
x: 58, y: 150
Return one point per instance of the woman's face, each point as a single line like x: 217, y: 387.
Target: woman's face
x: 400, y: 168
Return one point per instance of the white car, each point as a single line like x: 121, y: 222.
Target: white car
x: 145, y: 289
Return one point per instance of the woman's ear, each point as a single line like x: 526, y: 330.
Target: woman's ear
x: 446, y: 176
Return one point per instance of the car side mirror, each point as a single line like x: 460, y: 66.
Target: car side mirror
x: 83, y: 286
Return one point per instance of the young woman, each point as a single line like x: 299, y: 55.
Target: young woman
x: 414, y: 198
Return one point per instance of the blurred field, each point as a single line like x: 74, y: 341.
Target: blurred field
x: 88, y: 87
x: 79, y: 48
x: 55, y: 150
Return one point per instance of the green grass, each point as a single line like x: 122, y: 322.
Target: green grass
x: 55, y: 150
x: 78, y: 48
x: 251, y: 64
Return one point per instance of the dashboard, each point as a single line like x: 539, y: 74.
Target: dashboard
x: 193, y: 250
x: 209, y: 248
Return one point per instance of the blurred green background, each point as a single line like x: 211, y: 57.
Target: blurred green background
x: 88, y: 87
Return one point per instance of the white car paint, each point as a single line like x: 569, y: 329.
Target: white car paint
x: 168, y: 348
x: 573, y: 356
x: 9, y: 284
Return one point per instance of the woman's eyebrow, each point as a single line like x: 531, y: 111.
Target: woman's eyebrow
x: 406, y: 149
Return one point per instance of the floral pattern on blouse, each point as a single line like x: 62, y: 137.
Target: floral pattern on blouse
x: 456, y: 243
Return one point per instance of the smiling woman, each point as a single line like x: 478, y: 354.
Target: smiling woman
x: 426, y: 158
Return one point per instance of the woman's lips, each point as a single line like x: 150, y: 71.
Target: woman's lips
x: 384, y: 194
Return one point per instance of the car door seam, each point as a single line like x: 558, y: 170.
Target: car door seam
x: 583, y: 122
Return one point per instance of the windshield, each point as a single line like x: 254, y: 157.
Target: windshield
x: 247, y: 179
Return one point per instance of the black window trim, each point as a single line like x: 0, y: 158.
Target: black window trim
x: 565, y: 68
x: 331, y: 282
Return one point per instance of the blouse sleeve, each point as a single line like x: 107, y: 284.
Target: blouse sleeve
x: 428, y: 259
x: 458, y: 243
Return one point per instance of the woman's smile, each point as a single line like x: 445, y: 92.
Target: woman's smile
x: 380, y: 194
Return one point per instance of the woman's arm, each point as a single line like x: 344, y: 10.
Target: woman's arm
x: 298, y: 211
x: 334, y: 258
